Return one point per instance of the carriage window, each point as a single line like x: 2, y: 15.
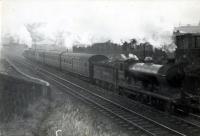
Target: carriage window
x: 198, y: 42
x: 182, y: 42
x: 179, y: 42
x: 185, y: 43
x: 192, y: 43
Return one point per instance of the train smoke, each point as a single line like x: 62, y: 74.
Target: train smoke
x: 98, y: 21
x: 156, y: 36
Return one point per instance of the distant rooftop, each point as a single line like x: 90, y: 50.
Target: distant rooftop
x: 45, y: 42
x: 187, y: 29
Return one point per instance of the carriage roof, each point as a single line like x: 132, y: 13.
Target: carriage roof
x: 84, y: 56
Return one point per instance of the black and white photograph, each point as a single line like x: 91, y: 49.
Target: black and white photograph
x: 99, y: 68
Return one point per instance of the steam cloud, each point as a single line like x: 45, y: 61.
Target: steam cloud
x: 98, y: 21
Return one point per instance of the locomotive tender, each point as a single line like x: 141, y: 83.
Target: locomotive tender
x: 158, y: 85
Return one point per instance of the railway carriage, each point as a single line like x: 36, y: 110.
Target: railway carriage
x: 80, y: 63
x: 52, y: 58
x: 40, y: 56
x: 30, y: 54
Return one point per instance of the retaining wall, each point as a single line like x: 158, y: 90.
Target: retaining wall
x: 16, y: 94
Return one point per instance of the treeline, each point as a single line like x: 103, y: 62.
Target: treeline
x: 99, y: 48
x: 109, y: 48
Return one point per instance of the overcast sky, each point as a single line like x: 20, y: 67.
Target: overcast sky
x: 90, y: 21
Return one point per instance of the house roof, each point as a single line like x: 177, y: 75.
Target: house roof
x: 187, y: 29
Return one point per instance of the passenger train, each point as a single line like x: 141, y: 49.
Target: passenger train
x: 163, y: 86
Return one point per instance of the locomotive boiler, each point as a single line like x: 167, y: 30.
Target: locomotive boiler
x: 155, y: 74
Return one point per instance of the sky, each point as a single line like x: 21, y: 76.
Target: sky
x: 89, y: 21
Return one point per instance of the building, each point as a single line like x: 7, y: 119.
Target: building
x: 48, y: 45
x: 187, y: 29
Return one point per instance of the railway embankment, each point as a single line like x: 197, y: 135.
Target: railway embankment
x: 62, y: 114
x: 16, y: 94
x: 23, y: 101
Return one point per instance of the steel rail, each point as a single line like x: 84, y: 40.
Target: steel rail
x: 178, y: 118
x: 107, y: 100
x: 74, y: 93
x: 161, y: 125
x: 195, y: 116
x: 174, y: 131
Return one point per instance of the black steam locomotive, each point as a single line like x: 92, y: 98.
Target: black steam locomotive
x: 172, y: 86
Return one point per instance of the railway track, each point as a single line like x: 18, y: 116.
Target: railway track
x: 194, y: 118
x: 125, y: 117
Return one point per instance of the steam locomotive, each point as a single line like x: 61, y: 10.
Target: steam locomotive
x: 170, y: 87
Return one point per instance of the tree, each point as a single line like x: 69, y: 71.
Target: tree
x: 133, y: 43
x: 125, y: 46
x: 10, y: 40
